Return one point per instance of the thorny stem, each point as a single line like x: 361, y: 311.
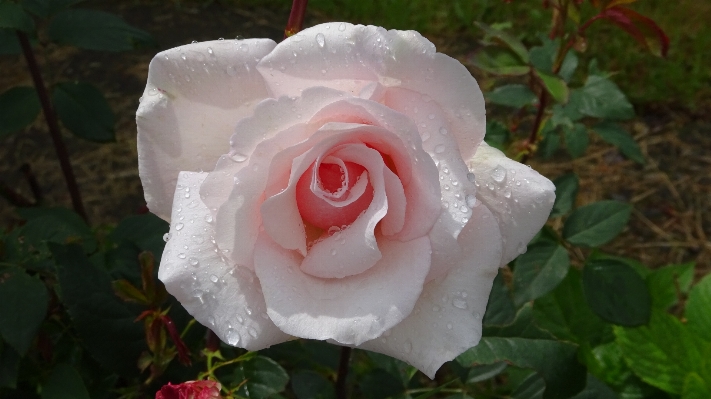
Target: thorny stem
x: 341, y: 389
x: 296, y: 17
x: 52, y: 124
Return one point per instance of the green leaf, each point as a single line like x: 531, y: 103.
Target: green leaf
x: 576, y: 140
x: 616, y: 293
x: 607, y: 363
x: 551, y: 141
x: 596, y: 224
x: 565, y: 314
x: 530, y: 388
x: 499, y: 61
x: 13, y: 17
x: 64, y: 383
x: 19, y: 107
x: 566, y: 190
x: 264, y: 376
x: 104, y: 323
x: 83, y: 109
x: 555, y: 86
x: 601, y: 98
x: 514, y: 95
x: 543, y: 56
x: 497, y: 135
x: 484, y: 372
x: 47, y: 8
x: 8, y: 43
x: 695, y: 388
x: 570, y: 64
x: 664, y: 282
x: 539, y: 271
x: 595, y: 389
x: 379, y: 384
x: 9, y: 366
x: 507, y: 39
x: 433, y: 391
x: 662, y: 353
x: 23, y: 305
x: 617, y: 136
x: 523, y: 326
x: 393, y: 366
x: 308, y: 384
x: 555, y: 361
x: 698, y: 309
x: 500, y: 309
x: 144, y: 231
x: 95, y: 30
x: 58, y: 225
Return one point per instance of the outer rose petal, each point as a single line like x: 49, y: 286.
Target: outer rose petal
x: 519, y: 197
x: 220, y: 295
x: 447, y: 316
x: 348, y: 57
x: 349, y: 310
x: 193, y: 99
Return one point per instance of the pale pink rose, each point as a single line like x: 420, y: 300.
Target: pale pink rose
x: 335, y: 186
x: 204, y: 389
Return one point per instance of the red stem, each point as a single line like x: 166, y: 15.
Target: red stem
x: 296, y: 18
x: 52, y: 124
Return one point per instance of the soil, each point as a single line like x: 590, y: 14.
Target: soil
x: 671, y: 193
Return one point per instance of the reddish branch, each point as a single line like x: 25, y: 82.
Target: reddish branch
x: 52, y: 124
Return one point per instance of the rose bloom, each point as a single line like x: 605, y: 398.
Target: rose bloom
x: 205, y: 389
x: 334, y: 186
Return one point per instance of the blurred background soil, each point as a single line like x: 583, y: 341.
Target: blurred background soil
x: 671, y: 193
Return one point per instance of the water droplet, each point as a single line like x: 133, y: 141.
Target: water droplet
x: 179, y: 226
x: 183, y: 56
x: 425, y: 136
x: 449, y: 326
x: 244, y: 47
x: 443, y: 131
x: 471, y: 177
x: 333, y: 252
x: 193, y: 261
x: 252, y: 332
x: 209, y: 51
x: 197, y: 293
x: 521, y: 248
x: 445, y: 170
x: 342, y: 27
x: 476, y: 315
x: 431, y: 116
x: 435, y: 308
x: 181, y: 255
x: 237, y: 157
x: 470, y: 200
x: 166, y: 237
x: 321, y: 40
x: 213, y: 278
x: 445, y: 204
x: 459, y: 303
x: 232, y: 337
x: 439, y: 148
x: 498, y: 174
x: 208, y: 218
x: 507, y: 193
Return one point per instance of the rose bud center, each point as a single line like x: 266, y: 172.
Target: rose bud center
x: 334, y: 196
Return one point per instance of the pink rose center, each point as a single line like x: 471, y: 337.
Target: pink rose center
x: 336, y: 197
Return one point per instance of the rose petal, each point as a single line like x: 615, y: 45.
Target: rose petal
x: 447, y: 316
x: 519, y: 197
x: 194, y: 97
x: 220, y: 295
x: 349, y: 58
x: 349, y: 310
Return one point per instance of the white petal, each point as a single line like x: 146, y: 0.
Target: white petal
x: 220, y: 295
x: 349, y: 58
x: 447, y: 317
x: 519, y: 197
x: 193, y: 99
x: 349, y: 310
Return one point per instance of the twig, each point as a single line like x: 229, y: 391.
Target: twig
x: 341, y: 389
x: 296, y: 17
x: 52, y: 124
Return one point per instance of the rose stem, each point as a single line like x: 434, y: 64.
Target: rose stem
x: 341, y: 391
x: 296, y: 17
x: 53, y: 125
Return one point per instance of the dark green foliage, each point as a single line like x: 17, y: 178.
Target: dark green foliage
x: 84, y: 111
x: 19, y: 107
